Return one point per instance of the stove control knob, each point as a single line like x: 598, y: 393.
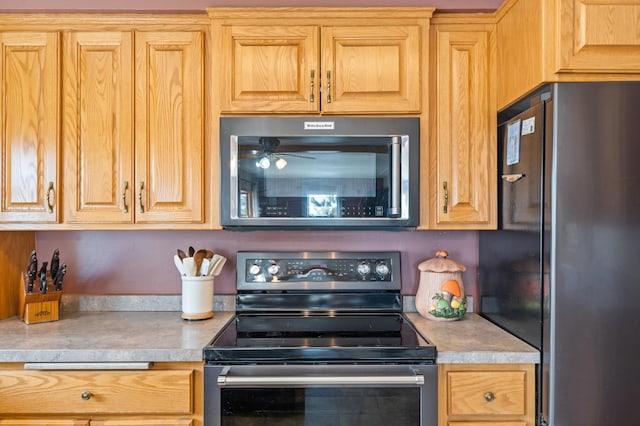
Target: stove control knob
x: 255, y: 269
x: 273, y: 269
x: 364, y: 268
x: 382, y: 269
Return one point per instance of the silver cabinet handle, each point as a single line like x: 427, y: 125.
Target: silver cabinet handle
x: 489, y: 396
x: 140, y: 197
x: 328, y: 87
x: 312, y: 97
x: 445, y: 186
x: 51, y: 196
x: 125, y: 206
x: 86, y: 395
x: 228, y: 380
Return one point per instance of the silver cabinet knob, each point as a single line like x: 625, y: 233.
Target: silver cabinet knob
x: 86, y: 395
x: 489, y: 396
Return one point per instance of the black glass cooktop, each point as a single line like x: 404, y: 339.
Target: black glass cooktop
x: 319, y: 338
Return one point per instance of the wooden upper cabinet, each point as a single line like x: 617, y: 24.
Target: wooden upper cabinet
x: 548, y: 41
x: 371, y: 69
x: 29, y: 127
x: 169, y: 127
x: 113, y: 173
x: 98, y: 127
x: 462, y: 173
x: 270, y: 68
x: 599, y: 35
x: 323, y: 60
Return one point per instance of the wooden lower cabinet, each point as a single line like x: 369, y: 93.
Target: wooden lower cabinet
x: 486, y: 395
x: 130, y: 422
x: 487, y: 423
x: 165, y: 394
x: 42, y: 422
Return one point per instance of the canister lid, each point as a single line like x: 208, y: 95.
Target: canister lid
x: 441, y: 263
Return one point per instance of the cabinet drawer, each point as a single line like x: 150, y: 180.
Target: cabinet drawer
x: 43, y: 422
x: 491, y: 392
x: 82, y: 392
x: 487, y: 424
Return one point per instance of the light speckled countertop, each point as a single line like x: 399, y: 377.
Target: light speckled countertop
x: 474, y: 340
x: 164, y: 336
x: 109, y: 337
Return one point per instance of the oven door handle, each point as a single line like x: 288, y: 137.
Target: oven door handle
x: 226, y: 379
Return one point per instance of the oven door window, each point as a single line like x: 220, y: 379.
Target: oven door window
x: 313, y: 177
x: 321, y: 406
x: 317, y: 394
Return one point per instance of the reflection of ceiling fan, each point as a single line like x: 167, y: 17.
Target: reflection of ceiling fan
x: 267, y: 154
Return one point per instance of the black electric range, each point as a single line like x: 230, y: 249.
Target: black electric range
x: 319, y: 308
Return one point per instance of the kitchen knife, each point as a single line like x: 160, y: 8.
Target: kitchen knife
x: 43, y: 278
x: 55, y: 263
x: 32, y: 269
x: 60, y: 276
x: 31, y: 276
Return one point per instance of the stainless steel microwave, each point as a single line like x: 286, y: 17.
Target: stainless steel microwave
x: 319, y: 172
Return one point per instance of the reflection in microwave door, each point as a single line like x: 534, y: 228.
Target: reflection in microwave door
x: 322, y: 205
x: 245, y: 208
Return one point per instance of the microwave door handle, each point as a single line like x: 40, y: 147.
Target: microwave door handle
x: 396, y: 177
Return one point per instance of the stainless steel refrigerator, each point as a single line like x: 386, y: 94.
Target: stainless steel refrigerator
x: 563, y: 270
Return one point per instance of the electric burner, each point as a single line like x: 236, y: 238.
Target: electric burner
x: 312, y: 307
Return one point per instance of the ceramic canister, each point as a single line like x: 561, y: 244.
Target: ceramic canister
x: 440, y: 294
x: 197, y: 297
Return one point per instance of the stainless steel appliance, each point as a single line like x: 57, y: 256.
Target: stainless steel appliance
x: 319, y: 338
x: 310, y: 172
x: 561, y: 273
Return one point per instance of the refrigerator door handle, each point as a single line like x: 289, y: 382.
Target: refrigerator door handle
x: 513, y: 177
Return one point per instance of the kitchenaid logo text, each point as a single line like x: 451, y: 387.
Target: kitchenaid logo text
x: 319, y: 125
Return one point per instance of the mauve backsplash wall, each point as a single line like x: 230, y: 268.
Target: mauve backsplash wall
x: 141, y: 262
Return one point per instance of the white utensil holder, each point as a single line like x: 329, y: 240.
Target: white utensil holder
x: 197, y: 297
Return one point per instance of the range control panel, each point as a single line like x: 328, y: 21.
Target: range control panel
x: 319, y: 270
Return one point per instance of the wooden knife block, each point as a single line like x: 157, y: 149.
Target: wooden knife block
x: 36, y: 307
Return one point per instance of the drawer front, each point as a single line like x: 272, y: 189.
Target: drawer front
x: 43, y: 422
x: 80, y: 392
x: 143, y: 422
x: 487, y: 424
x: 491, y: 392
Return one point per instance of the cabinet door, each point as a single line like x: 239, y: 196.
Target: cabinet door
x: 463, y: 173
x: 43, y: 422
x: 142, y: 422
x: 486, y: 394
x: 169, y: 127
x: 29, y: 127
x: 599, y: 36
x: 98, y: 128
x: 270, y: 68
x: 155, y: 392
x: 371, y: 69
